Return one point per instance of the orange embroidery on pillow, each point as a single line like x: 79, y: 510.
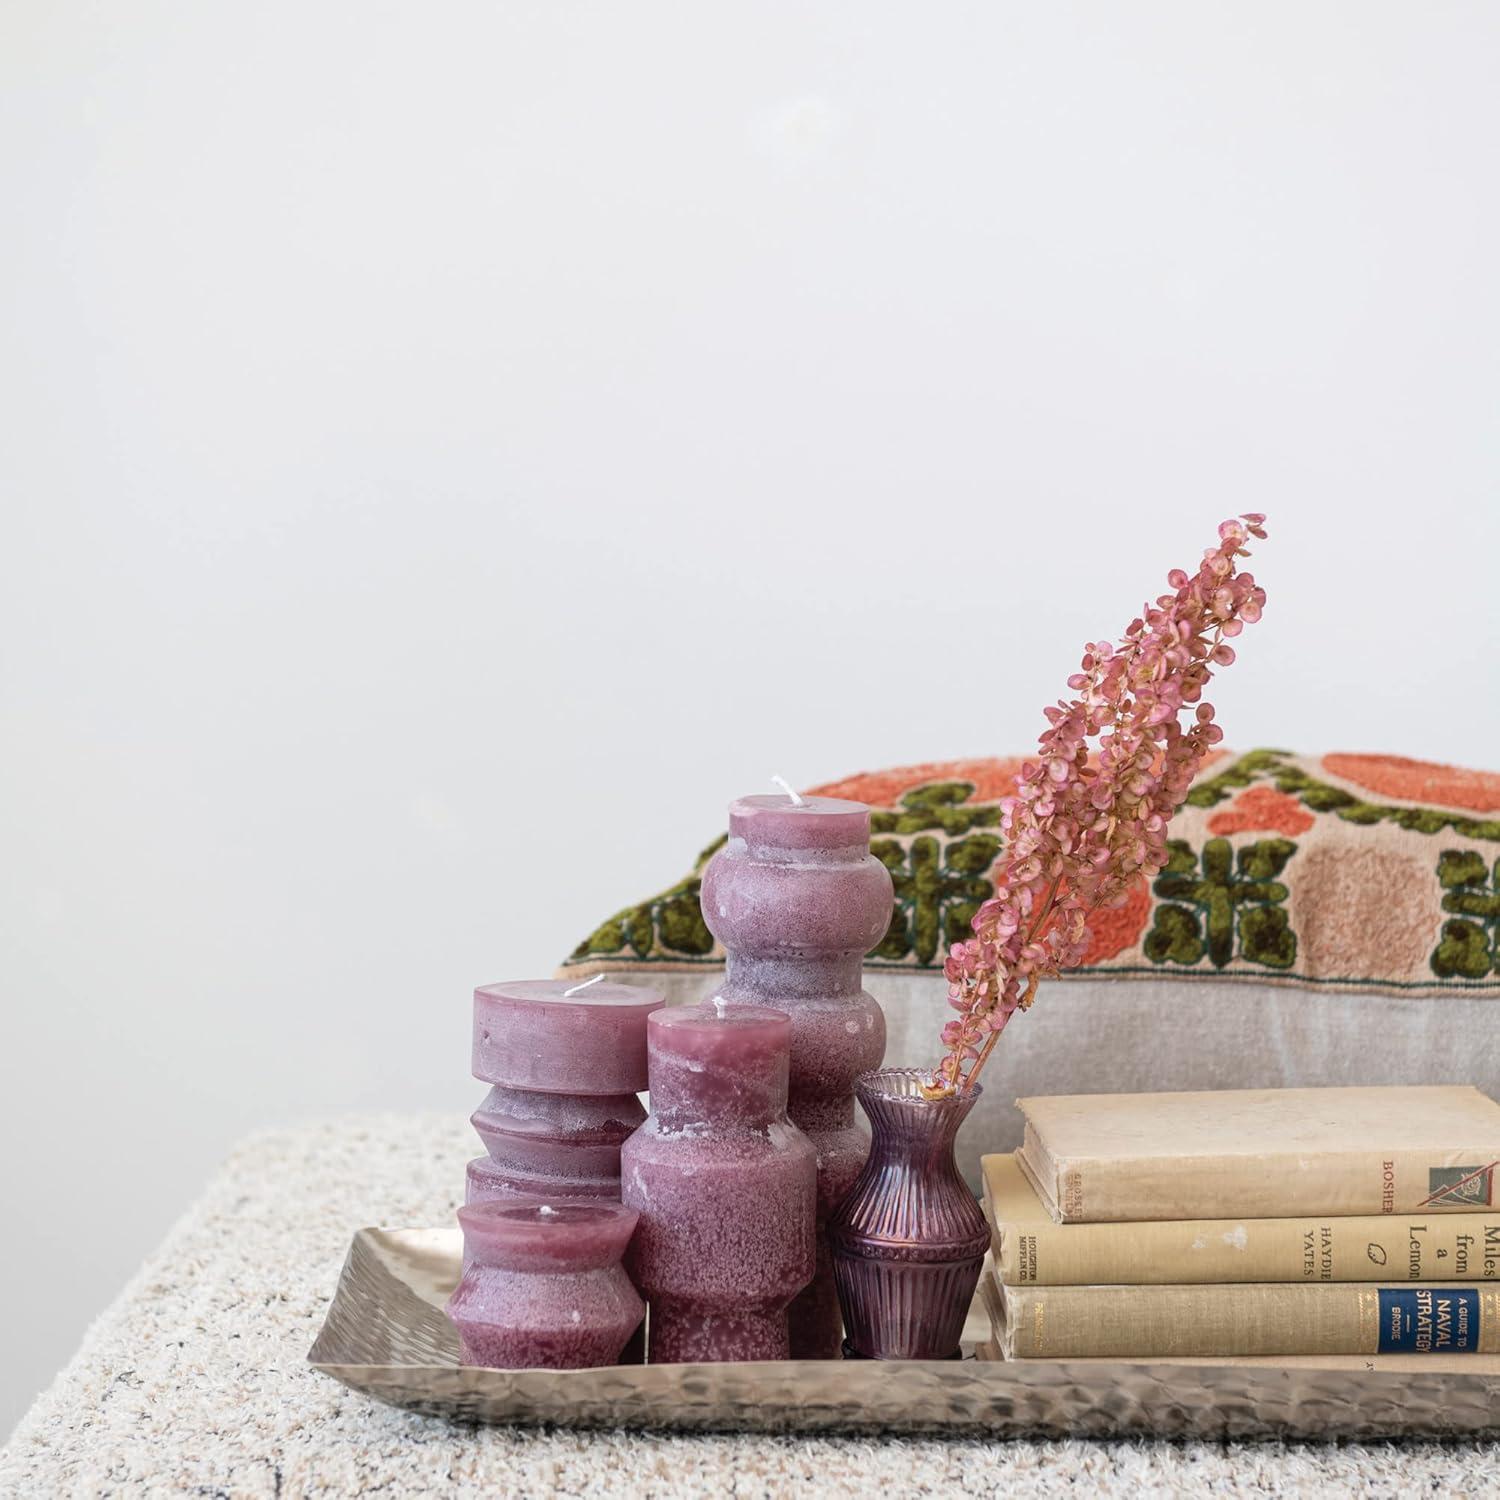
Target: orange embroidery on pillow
x: 991, y: 779
x: 1262, y: 809
x: 1112, y: 931
x: 1419, y: 780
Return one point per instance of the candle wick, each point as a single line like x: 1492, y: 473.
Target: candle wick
x: 547, y: 1209
x: 719, y: 1004
x: 586, y: 983
x: 786, y: 786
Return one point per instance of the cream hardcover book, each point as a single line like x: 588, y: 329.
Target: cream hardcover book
x: 1262, y: 1153
x: 1031, y: 1249
x: 1144, y: 1322
x: 1338, y: 1327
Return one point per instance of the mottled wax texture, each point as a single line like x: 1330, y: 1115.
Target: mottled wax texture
x: 797, y: 900
x: 551, y: 1143
x: 725, y: 1185
x: 566, y: 1070
x: 543, y: 1285
x: 529, y: 1034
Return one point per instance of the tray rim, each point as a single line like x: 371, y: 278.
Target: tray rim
x: 1203, y: 1398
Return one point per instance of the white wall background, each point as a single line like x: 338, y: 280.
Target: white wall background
x: 448, y: 450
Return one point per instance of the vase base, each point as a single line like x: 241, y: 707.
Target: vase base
x: 850, y: 1352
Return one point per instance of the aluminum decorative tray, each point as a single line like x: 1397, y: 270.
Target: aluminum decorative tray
x: 386, y: 1335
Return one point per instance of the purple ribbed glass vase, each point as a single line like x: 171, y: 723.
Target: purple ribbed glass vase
x: 909, y: 1240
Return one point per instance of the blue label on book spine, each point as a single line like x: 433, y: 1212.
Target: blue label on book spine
x: 1429, y: 1320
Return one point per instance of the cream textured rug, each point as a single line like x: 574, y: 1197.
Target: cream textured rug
x: 195, y: 1381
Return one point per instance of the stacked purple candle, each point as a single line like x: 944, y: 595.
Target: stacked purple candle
x: 565, y: 1063
x: 797, y: 900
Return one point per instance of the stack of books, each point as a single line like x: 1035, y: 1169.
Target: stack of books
x: 1269, y: 1222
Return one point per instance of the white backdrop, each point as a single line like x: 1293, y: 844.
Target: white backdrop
x: 450, y: 450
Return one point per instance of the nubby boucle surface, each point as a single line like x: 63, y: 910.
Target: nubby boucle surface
x: 195, y: 1380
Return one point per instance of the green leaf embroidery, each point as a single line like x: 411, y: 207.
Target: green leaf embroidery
x: 940, y: 805
x: 1470, y: 943
x: 1247, y: 904
x: 938, y: 889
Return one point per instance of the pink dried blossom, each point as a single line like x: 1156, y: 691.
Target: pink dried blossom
x: 1080, y: 830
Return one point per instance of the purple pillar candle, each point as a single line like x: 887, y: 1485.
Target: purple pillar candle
x: 725, y: 1184
x: 797, y: 900
x: 552, y: 1036
x: 543, y: 1284
x: 566, y: 1062
x: 550, y: 1144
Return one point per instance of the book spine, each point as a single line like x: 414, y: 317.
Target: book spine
x: 1275, y: 1186
x: 1383, y: 1248
x: 1144, y: 1322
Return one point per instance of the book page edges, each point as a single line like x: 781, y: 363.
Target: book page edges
x: 1039, y: 1173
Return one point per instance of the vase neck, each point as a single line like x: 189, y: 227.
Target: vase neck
x: 922, y: 1132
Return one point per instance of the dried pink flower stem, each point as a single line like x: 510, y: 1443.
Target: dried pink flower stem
x: 1079, y: 833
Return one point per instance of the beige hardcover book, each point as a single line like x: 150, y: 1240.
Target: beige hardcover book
x: 1262, y: 1153
x: 993, y: 1348
x: 1031, y: 1249
x: 1148, y: 1322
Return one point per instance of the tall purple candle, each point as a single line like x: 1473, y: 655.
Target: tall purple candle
x: 725, y: 1185
x: 797, y: 900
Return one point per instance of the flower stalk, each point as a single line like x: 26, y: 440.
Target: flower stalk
x: 1083, y: 827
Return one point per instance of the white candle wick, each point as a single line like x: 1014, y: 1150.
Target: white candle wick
x: 786, y: 786
x: 586, y: 983
x: 547, y: 1209
x: 719, y: 1004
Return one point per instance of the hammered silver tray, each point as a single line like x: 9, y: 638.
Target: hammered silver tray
x: 387, y: 1336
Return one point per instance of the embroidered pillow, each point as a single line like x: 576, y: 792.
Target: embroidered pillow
x: 1323, y: 920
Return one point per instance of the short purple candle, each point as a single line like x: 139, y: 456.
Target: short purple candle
x: 725, y: 1184
x: 797, y: 900
x: 556, y: 1036
x: 566, y: 1061
x: 543, y: 1285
